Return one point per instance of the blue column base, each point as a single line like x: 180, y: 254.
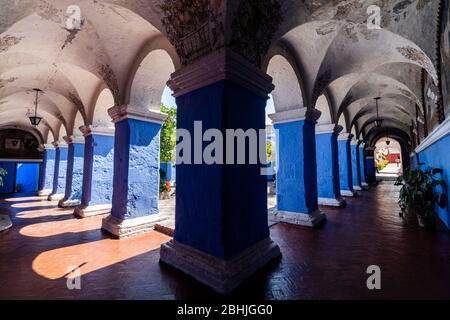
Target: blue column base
x: 349, y: 193
x: 223, y: 276
x: 312, y: 219
x: 332, y: 202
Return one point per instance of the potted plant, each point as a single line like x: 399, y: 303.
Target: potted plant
x: 421, y: 191
x: 164, y: 186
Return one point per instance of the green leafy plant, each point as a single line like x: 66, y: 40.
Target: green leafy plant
x: 168, y: 134
x: 269, y: 151
x: 422, y: 189
x: 3, y: 173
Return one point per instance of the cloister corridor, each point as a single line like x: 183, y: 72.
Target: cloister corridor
x: 327, y: 262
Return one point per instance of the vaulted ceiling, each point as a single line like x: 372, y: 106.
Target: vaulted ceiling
x: 323, y: 56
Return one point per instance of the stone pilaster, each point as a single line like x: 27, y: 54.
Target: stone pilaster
x: 96, y: 196
x: 74, y: 174
x: 59, y: 177
x: 223, y: 91
x: 136, y: 171
x: 345, y: 165
x: 328, y: 180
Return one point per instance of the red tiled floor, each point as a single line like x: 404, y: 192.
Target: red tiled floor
x: 325, y: 263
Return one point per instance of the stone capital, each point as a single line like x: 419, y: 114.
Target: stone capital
x: 89, y: 129
x: 49, y: 146
x: 328, y: 128
x: 73, y: 139
x: 119, y: 113
x: 354, y: 142
x: 345, y: 136
x: 301, y: 114
x: 222, y: 64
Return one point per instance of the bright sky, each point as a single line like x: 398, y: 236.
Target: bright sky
x: 169, y: 101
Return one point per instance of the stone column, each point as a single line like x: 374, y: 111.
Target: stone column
x: 345, y: 165
x: 221, y: 233
x: 96, y: 195
x: 362, y: 164
x: 297, y: 195
x: 328, y: 180
x: 136, y: 171
x: 356, y: 173
x: 47, y: 170
x: 59, y: 177
x: 72, y: 196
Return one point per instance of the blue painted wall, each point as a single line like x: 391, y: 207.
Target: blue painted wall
x: 356, y: 174
x: 221, y: 209
x: 345, y: 165
x: 27, y: 176
x: 136, y: 169
x: 297, y: 170
x: 327, y: 166
x: 437, y: 155
x: 8, y: 180
x: 98, y: 170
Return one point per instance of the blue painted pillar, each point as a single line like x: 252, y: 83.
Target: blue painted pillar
x: 221, y: 233
x: 136, y: 171
x: 47, y: 170
x: 72, y: 196
x: 96, y: 195
x: 370, y: 165
x: 328, y: 180
x: 345, y: 165
x: 297, y: 194
x: 362, y: 164
x: 59, y: 178
x: 356, y: 173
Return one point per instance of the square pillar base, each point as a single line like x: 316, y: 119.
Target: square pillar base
x: 94, y: 210
x: 68, y: 203
x: 223, y: 276
x: 332, y: 202
x: 5, y: 222
x: 357, y: 188
x: 45, y: 192
x: 302, y: 219
x: 348, y: 193
x: 55, y: 197
x: 130, y: 227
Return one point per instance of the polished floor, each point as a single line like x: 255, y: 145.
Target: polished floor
x: 46, y: 244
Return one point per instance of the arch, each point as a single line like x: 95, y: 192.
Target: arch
x: 323, y: 106
x: 146, y: 91
x: 287, y: 94
x: 100, y: 117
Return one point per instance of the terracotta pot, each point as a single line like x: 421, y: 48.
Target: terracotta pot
x: 164, y: 195
x: 427, y: 222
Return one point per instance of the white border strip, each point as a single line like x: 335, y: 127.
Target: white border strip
x: 440, y: 132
